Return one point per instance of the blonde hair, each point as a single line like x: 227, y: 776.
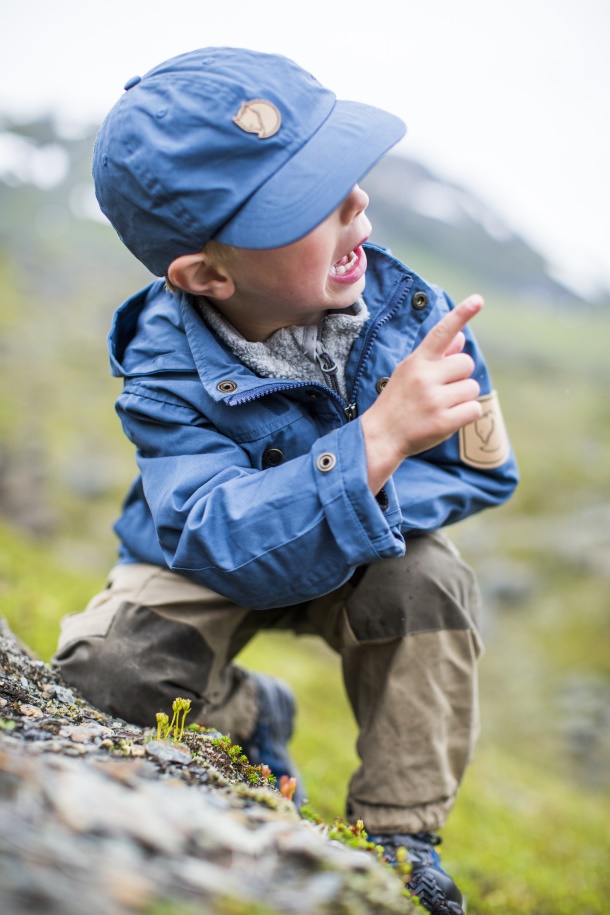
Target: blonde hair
x: 216, y: 253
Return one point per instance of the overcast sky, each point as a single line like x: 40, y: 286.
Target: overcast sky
x: 510, y: 98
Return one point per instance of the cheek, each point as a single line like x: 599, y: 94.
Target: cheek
x: 314, y: 250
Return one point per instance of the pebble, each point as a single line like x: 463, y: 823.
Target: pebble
x: 84, y: 733
x: 64, y: 695
x: 37, y: 734
x: 31, y: 711
x: 77, y: 750
x: 169, y: 752
x: 137, y: 750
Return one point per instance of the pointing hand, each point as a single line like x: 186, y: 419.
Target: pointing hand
x: 429, y: 396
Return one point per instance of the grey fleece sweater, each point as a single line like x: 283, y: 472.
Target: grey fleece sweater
x: 294, y: 351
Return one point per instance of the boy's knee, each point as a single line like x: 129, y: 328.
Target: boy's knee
x: 428, y: 589
x: 140, y: 666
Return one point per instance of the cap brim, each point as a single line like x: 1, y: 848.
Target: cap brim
x: 314, y: 181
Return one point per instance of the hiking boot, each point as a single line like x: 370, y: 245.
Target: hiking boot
x: 428, y: 880
x: 273, y: 730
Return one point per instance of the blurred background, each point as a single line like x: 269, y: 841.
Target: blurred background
x: 501, y: 186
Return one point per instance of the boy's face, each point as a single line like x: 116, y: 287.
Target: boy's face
x: 296, y: 283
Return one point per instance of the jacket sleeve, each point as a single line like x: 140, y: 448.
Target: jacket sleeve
x: 436, y: 487
x: 262, y: 538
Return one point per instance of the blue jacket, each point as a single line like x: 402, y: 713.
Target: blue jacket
x: 207, y: 503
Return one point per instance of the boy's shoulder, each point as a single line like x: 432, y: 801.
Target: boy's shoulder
x: 148, y: 334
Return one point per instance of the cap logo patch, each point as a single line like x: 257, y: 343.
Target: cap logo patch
x: 260, y: 117
x: 484, y: 443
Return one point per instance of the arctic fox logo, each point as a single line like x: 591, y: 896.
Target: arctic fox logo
x: 260, y: 117
x: 484, y: 443
x: 484, y: 429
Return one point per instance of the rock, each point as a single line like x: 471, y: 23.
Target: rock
x: 61, y: 693
x: 31, y: 711
x: 166, y: 752
x: 85, y: 827
x: 84, y: 733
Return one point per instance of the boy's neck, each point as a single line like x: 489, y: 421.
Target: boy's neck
x: 258, y: 331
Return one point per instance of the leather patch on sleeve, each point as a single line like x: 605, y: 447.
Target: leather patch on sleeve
x: 484, y: 443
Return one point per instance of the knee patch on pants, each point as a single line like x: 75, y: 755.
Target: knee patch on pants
x: 429, y: 589
x: 139, y: 666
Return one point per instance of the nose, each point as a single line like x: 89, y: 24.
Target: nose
x: 354, y: 204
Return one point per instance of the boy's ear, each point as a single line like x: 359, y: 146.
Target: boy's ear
x: 195, y: 273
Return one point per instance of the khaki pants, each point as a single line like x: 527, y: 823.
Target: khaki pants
x: 406, y: 632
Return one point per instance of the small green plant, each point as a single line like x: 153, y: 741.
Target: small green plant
x: 404, y: 867
x: 162, y: 726
x: 233, y: 750
x: 352, y: 834
x: 175, y: 727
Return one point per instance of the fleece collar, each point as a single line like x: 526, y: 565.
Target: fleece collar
x: 290, y: 352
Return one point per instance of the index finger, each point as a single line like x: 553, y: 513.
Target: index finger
x: 439, y: 338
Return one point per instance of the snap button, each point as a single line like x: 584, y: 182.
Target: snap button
x: 326, y: 461
x: 132, y: 82
x: 380, y: 385
x: 226, y: 387
x: 419, y: 301
x: 272, y: 457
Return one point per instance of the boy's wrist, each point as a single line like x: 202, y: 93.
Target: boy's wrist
x: 383, y: 457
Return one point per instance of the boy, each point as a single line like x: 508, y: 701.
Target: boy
x: 300, y: 440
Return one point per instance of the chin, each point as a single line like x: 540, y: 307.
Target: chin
x: 347, y: 294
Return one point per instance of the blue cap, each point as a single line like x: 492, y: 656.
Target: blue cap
x: 239, y: 146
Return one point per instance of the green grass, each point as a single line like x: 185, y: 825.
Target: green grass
x: 522, y: 840
x: 36, y: 591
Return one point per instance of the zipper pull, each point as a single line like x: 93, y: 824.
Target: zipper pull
x: 351, y: 411
x: 330, y: 369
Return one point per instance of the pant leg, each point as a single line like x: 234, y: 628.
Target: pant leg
x: 408, y: 639
x: 407, y: 634
x: 153, y: 635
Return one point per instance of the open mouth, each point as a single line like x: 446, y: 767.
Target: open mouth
x: 350, y: 267
x: 344, y: 264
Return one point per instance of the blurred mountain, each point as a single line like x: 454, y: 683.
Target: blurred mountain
x: 52, y: 233
x: 430, y: 222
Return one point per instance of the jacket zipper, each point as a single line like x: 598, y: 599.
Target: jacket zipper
x: 351, y: 411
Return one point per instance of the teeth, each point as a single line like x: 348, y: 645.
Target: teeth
x: 344, y: 264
